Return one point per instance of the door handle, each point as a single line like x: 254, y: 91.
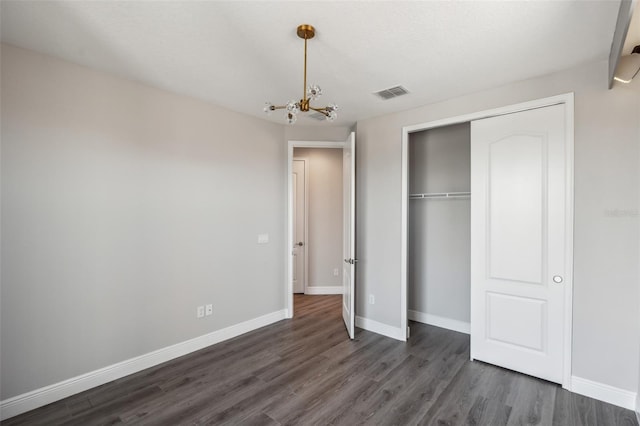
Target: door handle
x: 557, y: 279
x: 350, y: 261
x: 300, y: 244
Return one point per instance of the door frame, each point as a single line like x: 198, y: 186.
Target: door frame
x: 288, y: 259
x: 566, y: 99
x: 305, y: 278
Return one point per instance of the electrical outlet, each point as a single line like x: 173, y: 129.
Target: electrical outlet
x: 372, y: 299
x: 263, y: 238
x: 209, y: 310
x: 336, y: 272
x: 200, y: 312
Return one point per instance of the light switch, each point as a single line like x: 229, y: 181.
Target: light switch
x: 263, y: 238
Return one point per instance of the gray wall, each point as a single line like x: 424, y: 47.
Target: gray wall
x: 606, y: 275
x: 317, y: 133
x: 123, y: 208
x: 439, y: 229
x: 325, y: 214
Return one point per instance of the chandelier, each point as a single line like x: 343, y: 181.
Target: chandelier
x: 309, y: 93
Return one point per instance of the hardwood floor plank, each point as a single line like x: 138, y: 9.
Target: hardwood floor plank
x: 108, y: 413
x: 241, y: 404
x: 562, y: 414
x: 420, y: 395
x: 337, y: 405
x: 321, y: 387
x: 306, y: 371
x: 260, y: 419
x: 486, y: 411
x: 573, y: 409
x: 201, y: 404
x: 53, y: 413
x: 457, y: 399
x: 532, y: 401
x: 387, y: 403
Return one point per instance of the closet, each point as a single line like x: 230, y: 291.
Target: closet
x: 439, y: 227
x: 489, y: 238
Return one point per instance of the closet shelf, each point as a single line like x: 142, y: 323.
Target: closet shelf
x: 431, y: 195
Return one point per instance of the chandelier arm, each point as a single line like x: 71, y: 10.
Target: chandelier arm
x: 321, y: 110
x: 275, y: 107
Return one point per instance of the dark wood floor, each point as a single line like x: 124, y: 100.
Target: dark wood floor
x: 306, y: 372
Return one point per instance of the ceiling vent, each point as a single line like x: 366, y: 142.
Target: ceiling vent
x: 391, y: 93
x: 318, y: 116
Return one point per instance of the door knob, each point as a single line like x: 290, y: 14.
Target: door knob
x: 557, y: 279
x: 299, y: 244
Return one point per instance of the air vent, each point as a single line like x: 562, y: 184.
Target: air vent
x: 392, y: 92
x: 318, y: 116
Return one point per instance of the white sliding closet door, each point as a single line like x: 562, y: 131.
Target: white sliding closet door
x: 518, y: 241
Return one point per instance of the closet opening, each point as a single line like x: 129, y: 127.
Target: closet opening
x: 499, y: 268
x: 439, y: 231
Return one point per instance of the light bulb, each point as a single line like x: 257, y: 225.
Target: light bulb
x: 291, y: 118
x: 332, y: 113
x: 314, y: 91
x: 268, y: 108
x: 292, y: 107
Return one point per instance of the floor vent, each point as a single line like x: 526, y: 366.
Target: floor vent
x: 391, y: 93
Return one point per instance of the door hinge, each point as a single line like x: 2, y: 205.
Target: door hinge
x: 408, y: 332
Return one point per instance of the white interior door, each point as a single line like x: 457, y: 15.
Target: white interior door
x: 518, y: 241
x: 298, y: 243
x: 349, y: 233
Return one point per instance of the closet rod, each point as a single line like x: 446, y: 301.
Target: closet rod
x: 439, y: 195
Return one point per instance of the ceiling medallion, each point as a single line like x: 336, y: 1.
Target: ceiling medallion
x: 309, y: 93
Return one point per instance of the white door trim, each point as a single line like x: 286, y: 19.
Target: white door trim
x: 568, y: 101
x: 288, y: 259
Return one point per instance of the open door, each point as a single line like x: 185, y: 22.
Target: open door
x: 298, y: 178
x: 349, y: 233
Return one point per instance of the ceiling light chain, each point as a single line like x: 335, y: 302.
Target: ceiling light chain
x: 309, y: 93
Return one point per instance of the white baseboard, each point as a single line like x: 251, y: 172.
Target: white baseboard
x: 438, y: 321
x: 323, y: 289
x: 380, y: 328
x: 37, y: 398
x: 612, y: 395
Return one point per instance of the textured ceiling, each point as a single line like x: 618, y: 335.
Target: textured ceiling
x: 240, y: 54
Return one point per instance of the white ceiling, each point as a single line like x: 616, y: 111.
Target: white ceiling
x: 239, y: 54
